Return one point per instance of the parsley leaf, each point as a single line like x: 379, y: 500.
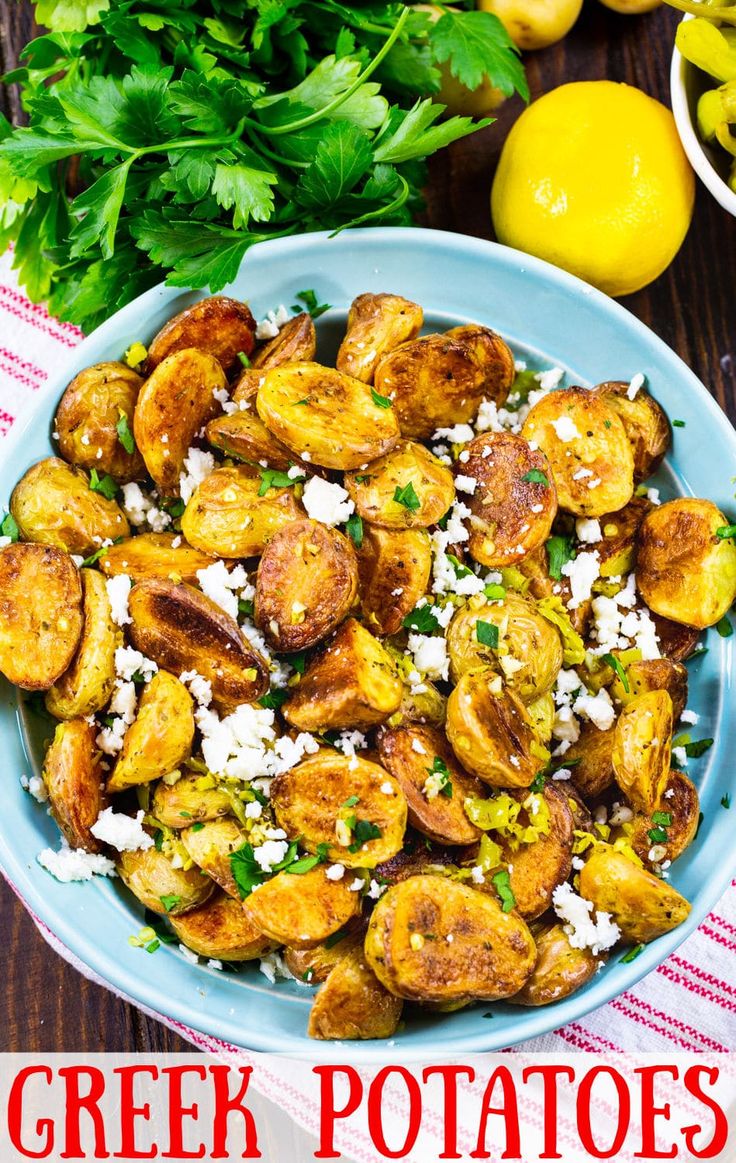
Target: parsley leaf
x: 487, y: 634
x: 363, y: 831
x: 379, y: 400
x: 274, y: 700
x: 407, y: 497
x: 271, y: 478
x: 535, y: 476
x: 9, y: 527
x: 170, y: 901
x: 246, y: 870
x: 103, y: 484
x: 342, y: 158
x: 502, y: 883
x: 246, y: 190
x: 354, y: 529
x: 726, y: 801
x: 312, y: 304
x: 697, y: 748
x: 724, y: 627
x: 439, y: 767
x: 125, y: 436
x: 560, y: 551
x: 421, y: 619
x: 476, y: 45
x: 726, y: 532
x: 618, y: 669
x: 632, y: 954
x: 678, y: 423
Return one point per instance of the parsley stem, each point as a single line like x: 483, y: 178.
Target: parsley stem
x: 382, y: 212
x: 189, y: 143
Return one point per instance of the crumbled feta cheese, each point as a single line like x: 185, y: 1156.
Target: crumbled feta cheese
x: 124, y: 702
x: 588, y: 530
x: 653, y: 496
x: 135, y: 503
x: 582, y: 571
x: 335, y: 872
x: 581, y: 474
x: 35, y: 787
x: 376, y: 890
x: 477, y: 875
x: 597, y: 708
x: 358, y: 884
x: 199, y: 687
x: 465, y: 484
x: 220, y: 585
x: 71, y: 864
x: 110, y: 739
x: 269, y: 853
x: 430, y: 655
x: 689, y: 717
x: 387, y: 788
x: 680, y: 756
x: 620, y: 814
x: 198, y: 466
x: 550, y: 379
x: 418, y: 746
x: 637, y: 383
x: 327, y: 502
x: 458, y: 434
x: 583, y: 932
x: 118, y: 590
x: 188, y: 954
x: 129, y: 661
x: 295, y: 473
x: 126, y: 833
x: 565, y: 429
x: 269, y: 327
x: 487, y: 419
x: 273, y: 966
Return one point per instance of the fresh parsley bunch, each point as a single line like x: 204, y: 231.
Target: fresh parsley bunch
x: 168, y: 136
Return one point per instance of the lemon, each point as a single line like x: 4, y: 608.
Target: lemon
x: 593, y: 177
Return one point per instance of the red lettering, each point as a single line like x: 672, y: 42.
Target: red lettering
x: 226, y: 1104
x: 375, y: 1117
x: 177, y: 1112
x: 328, y: 1113
x: 449, y: 1076
x: 550, y: 1074
x: 129, y: 1112
x: 649, y: 1112
x: 584, y: 1103
x: 720, y: 1120
x: 76, y: 1103
x: 509, y: 1112
x: 15, y: 1115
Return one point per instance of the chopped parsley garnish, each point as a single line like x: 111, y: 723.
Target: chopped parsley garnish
x: 487, y: 634
x: 726, y: 532
x: 307, y: 863
x: 361, y: 478
x: 244, y: 359
x: 103, y: 484
x: 379, y: 400
x: 354, y: 529
x: 197, y: 827
x: 664, y: 819
x: 247, y: 872
x: 724, y: 627
x: 125, y: 436
x: 539, y: 781
x: 93, y: 557
x: 560, y: 551
x: 298, y: 661
x: 632, y: 954
x: 726, y: 801
x: 658, y: 835
x: 153, y: 921
x: 440, y: 768
x: 271, y: 478
x: 407, y: 497
x: 535, y: 476
x: 678, y: 423
x: 616, y: 666
x: 363, y: 831
x: 246, y: 607
x: 502, y: 883
x: 698, y: 653
x: 311, y: 303
x: 174, y: 506
x: 351, y: 802
x: 697, y: 748
x: 494, y: 592
x: 170, y: 900
x: 9, y: 527
x: 460, y: 569
x: 421, y: 619
x: 274, y: 700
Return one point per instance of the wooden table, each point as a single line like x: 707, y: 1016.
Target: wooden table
x: 45, y: 1005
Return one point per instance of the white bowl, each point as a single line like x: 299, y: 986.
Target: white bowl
x: 686, y: 85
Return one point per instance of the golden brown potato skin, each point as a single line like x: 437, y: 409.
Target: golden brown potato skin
x: 490, y: 957
x: 181, y: 804
x: 217, y: 325
x: 394, y: 567
x: 182, y: 629
x: 591, y: 759
x: 485, y: 729
x: 642, y: 906
x: 418, y: 857
x: 87, y: 419
x: 353, y: 1004
x: 160, y: 737
x: 54, y: 505
x: 536, y: 869
x: 211, y: 847
x: 226, y: 515
x: 327, y: 415
x: 221, y: 928
x: 307, y: 583
x: 352, y: 684
x: 245, y: 436
x: 296, y: 341
x: 684, y: 571
x: 73, y: 778
x: 618, y: 547
x: 376, y: 325
x: 440, y: 380
x: 676, y: 641
x: 150, y: 875
x: 150, y: 555
x: 503, y: 521
x: 86, y: 686
x: 302, y: 911
x: 174, y: 403
x: 653, y: 674
x: 316, y: 964
x: 646, y: 424
x: 309, y: 800
x: 407, y: 463
x: 600, y: 449
x: 642, y: 742
x: 560, y: 970
x: 40, y: 614
x: 443, y: 818
x: 684, y: 808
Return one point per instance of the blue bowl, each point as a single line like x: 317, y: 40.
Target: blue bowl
x: 549, y: 318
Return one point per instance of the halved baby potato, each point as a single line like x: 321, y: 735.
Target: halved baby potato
x: 53, y: 504
x: 176, y: 400
x: 150, y: 555
x: 73, y: 777
x: 588, y: 449
x: 302, y: 911
x: 681, y: 804
x: 676, y: 641
x: 187, y: 802
x: 182, y: 629
x: 221, y: 929
x: 418, y: 857
x: 231, y: 515
x: 559, y: 971
x: 325, y: 416
x: 87, y: 420
x: 406, y: 488
x: 653, y: 674
x: 353, y: 684
x: 40, y: 614
x: 514, y: 502
x: 243, y: 435
x: 377, y: 324
x: 645, y: 421
x: 591, y: 760
x: 316, y: 964
x: 160, y: 737
x: 394, y: 567
x: 642, y: 743
x: 86, y: 686
x: 491, y: 733
x: 536, y: 869
x: 489, y: 955
x: 330, y: 799
x: 642, y: 906
x: 152, y: 878
x: 211, y: 845
x: 440, y: 380
x: 423, y: 704
x: 306, y: 585
x: 220, y: 326
x: 295, y: 342
x: 353, y: 1004
x: 411, y: 753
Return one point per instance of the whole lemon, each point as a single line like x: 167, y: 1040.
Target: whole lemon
x: 593, y: 177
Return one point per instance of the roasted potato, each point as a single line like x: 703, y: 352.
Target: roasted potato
x: 295, y: 342
x: 211, y: 846
x: 353, y: 1004
x: 652, y: 674
x: 542, y: 714
x: 618, y: 546
x: 418, y: 857
x: 642, y: 742
x: 325, y: 416
x: 160, y: 737
x: 88, y: 416
x: 316, y: 964
x: 221, y: 928
x: 330, y: 799
x: 682, y: 804
x: 152, y: 878
x: 187, y: 802
x: 528, y: 653
x: 411, y: 754
x: 685, y: 571
x: 536, y: 869
x: 491, y: 733
x: 306, y: 585
x: 587, y: 447
x: 514, y: 502
x: 394, y: 566
x: 352, y: 683
x: 176, y: 400
x: 231, y: 514
x: 377, y: 324
x: 646, y: 424
x: 220, y: 326
x: 676, y: 641
x: 160, y: 555
x: 86, y: 685
x: 244, y: 436
x: 490, y: 955
x: 560, y: 970
x: 40, y: 614
x: 181, y: 629
x: 73, y: 778
x: 302, y: 911
x: 245, y: 388
x: 591, y: 760
x: 440, y: 380
x: 55, y: 505
x: 642, y: 906
x: 423, y: 704
x: 406, y: 488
